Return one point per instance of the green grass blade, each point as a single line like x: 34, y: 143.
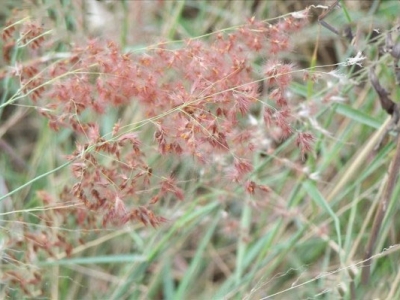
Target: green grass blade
x: 190, y: 274
x: 121, y: 258
x: 315, y: 195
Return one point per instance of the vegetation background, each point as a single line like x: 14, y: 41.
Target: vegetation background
x: 303, y: 239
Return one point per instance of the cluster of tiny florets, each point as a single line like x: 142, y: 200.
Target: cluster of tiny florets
x: 195, y: 100
x: 193, y: 97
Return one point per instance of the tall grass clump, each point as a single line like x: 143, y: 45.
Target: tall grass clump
x: 220, y: 160
x: 195, y: 99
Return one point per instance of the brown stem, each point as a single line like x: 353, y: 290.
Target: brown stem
x: 323, y: 16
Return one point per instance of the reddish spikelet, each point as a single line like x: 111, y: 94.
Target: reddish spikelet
x: 282, y: 121
x: 116, y: 129
x: 245, y: 97
x: 242, y: 167
x: 168, y: 185
x: 278, y: 38
x: 145, y: 216
x: 31, y: 34
x: 8, y: 31
x: 8, y: 48
x: 279, y: 98
x: 250, y: 187
x: 304, y: 141
x: 154, y: 200
x: 278, y: 73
